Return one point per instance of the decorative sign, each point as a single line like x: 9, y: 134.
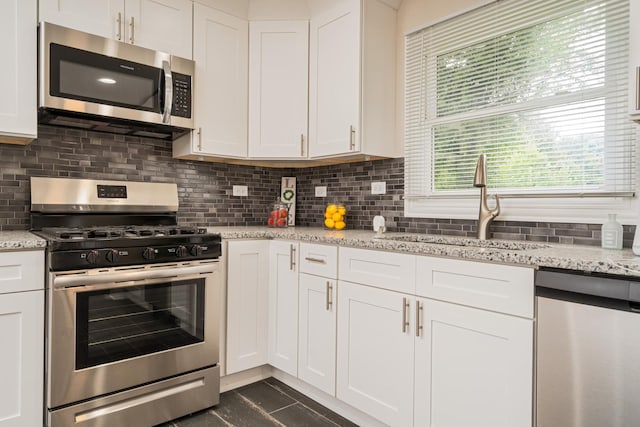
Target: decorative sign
x: 288, y: 196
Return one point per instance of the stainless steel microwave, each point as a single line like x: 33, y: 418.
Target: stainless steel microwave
x: 95, y: 83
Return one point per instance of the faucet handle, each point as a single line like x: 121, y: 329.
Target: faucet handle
x: 495, y: 211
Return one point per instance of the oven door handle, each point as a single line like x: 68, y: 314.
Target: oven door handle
x: 87, y: 280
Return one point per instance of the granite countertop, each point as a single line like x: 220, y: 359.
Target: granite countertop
x: 571, y: 257
x: 20, y: 240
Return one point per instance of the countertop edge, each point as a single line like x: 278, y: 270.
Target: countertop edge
x: 20, y: 240
x: 547, y: 255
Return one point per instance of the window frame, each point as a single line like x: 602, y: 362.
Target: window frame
x: 523, y: 207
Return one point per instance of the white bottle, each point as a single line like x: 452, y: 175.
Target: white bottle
x: 612, y: 233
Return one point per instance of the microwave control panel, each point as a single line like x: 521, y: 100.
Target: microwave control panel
x: 181, y: 95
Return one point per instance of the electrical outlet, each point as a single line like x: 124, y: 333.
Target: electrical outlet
x: 240, y: 190
x: 321, y: 191
x: 379, y: 187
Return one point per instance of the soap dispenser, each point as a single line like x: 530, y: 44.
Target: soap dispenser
x: 612, y: 233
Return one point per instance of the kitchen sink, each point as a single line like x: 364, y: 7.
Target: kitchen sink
x: 463, y: 241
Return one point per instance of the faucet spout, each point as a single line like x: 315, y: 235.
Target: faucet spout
x: 485, y: 215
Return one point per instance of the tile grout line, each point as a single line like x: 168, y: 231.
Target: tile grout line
x: 309, y: 408
x: 295, y: 402
x: 227, y: 423
x: 252, y: 404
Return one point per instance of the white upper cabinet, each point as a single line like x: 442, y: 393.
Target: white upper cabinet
x: 334, y: 65
x: 164, y: 25
x: 100, y: 17
x: 352, y: 81
x: 220, y: 50
x: 18, y: 117
x: 278, y: 82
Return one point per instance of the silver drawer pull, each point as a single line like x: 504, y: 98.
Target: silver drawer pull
x: 329, y: 292
x: 318, y: 260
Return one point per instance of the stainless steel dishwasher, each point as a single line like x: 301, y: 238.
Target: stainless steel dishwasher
x: 588, y: 350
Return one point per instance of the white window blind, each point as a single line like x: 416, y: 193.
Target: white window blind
x: 540, y: 86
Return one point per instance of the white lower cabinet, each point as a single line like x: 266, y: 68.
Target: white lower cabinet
x: 247, y: 293
x: 408, y: 340
x: 375, y: 353
x: 472, y: 367
x: 283, y: 306
x: 22, y: 332
x: 317, y: 332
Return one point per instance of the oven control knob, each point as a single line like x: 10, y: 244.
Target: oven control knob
x: 149, y: 254
x: 196, y: 250
x: 181, y: 251
x: 112, y: 255
x: 92, y: 257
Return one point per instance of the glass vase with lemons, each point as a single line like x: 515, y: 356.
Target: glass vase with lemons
x: 335, y: 216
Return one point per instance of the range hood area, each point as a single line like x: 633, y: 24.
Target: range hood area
x: 96, y: 123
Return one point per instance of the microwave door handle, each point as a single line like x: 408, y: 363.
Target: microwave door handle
x: 168, y: 92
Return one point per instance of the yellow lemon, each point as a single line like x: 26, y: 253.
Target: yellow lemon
x: 336, y: 217
x: 339, y: 225
x: 342, y: 210
x: 327, y: 215
x: 329, y: 223
x: 331, y: 209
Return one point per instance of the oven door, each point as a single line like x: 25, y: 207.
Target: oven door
x: 111, y: 329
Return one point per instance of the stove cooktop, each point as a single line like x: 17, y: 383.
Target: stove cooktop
x: 96, y: 233
x: 96, y: 247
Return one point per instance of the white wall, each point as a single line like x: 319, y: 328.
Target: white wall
x: 413, y: 15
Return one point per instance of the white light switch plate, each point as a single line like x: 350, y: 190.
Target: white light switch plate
x: 379, y: 187
x: 240, y: 190
x: 321, y: 191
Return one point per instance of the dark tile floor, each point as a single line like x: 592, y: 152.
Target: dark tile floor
x: 264, y: 403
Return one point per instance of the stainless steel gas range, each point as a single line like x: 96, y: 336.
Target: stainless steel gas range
x: 132, y: 304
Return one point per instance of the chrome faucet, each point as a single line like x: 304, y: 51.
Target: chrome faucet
x: 486, y: 215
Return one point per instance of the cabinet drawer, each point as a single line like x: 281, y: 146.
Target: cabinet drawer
x: 320, y: 260
x: 387, y: 270
x: 501, y: 288
x: 21, y: 271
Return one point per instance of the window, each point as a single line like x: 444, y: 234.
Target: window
x: 540, y: 87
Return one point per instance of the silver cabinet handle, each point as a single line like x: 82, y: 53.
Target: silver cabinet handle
x: 200, y: 139
x: 301, y: 144
x: 119, y: 21
x: 292, y: 255
x: 329, y: 292
x: 405, y: 314
x: 318, y: 260
x: 352, y: 138
x: 132, y: 25
x: 419, y: 308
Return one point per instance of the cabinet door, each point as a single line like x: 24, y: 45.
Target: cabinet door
x: 375, y: 353
x: 247, y: 292
x: 18, y: 118
x: 278, y: 87
x: 21, y: 358
x: 473, y: 367
x: 283, y: 306
x: 220, y: 50
x: 104, y: 18
x: 317, y: 336
x: 164, y: 25
x: 334, y: 77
